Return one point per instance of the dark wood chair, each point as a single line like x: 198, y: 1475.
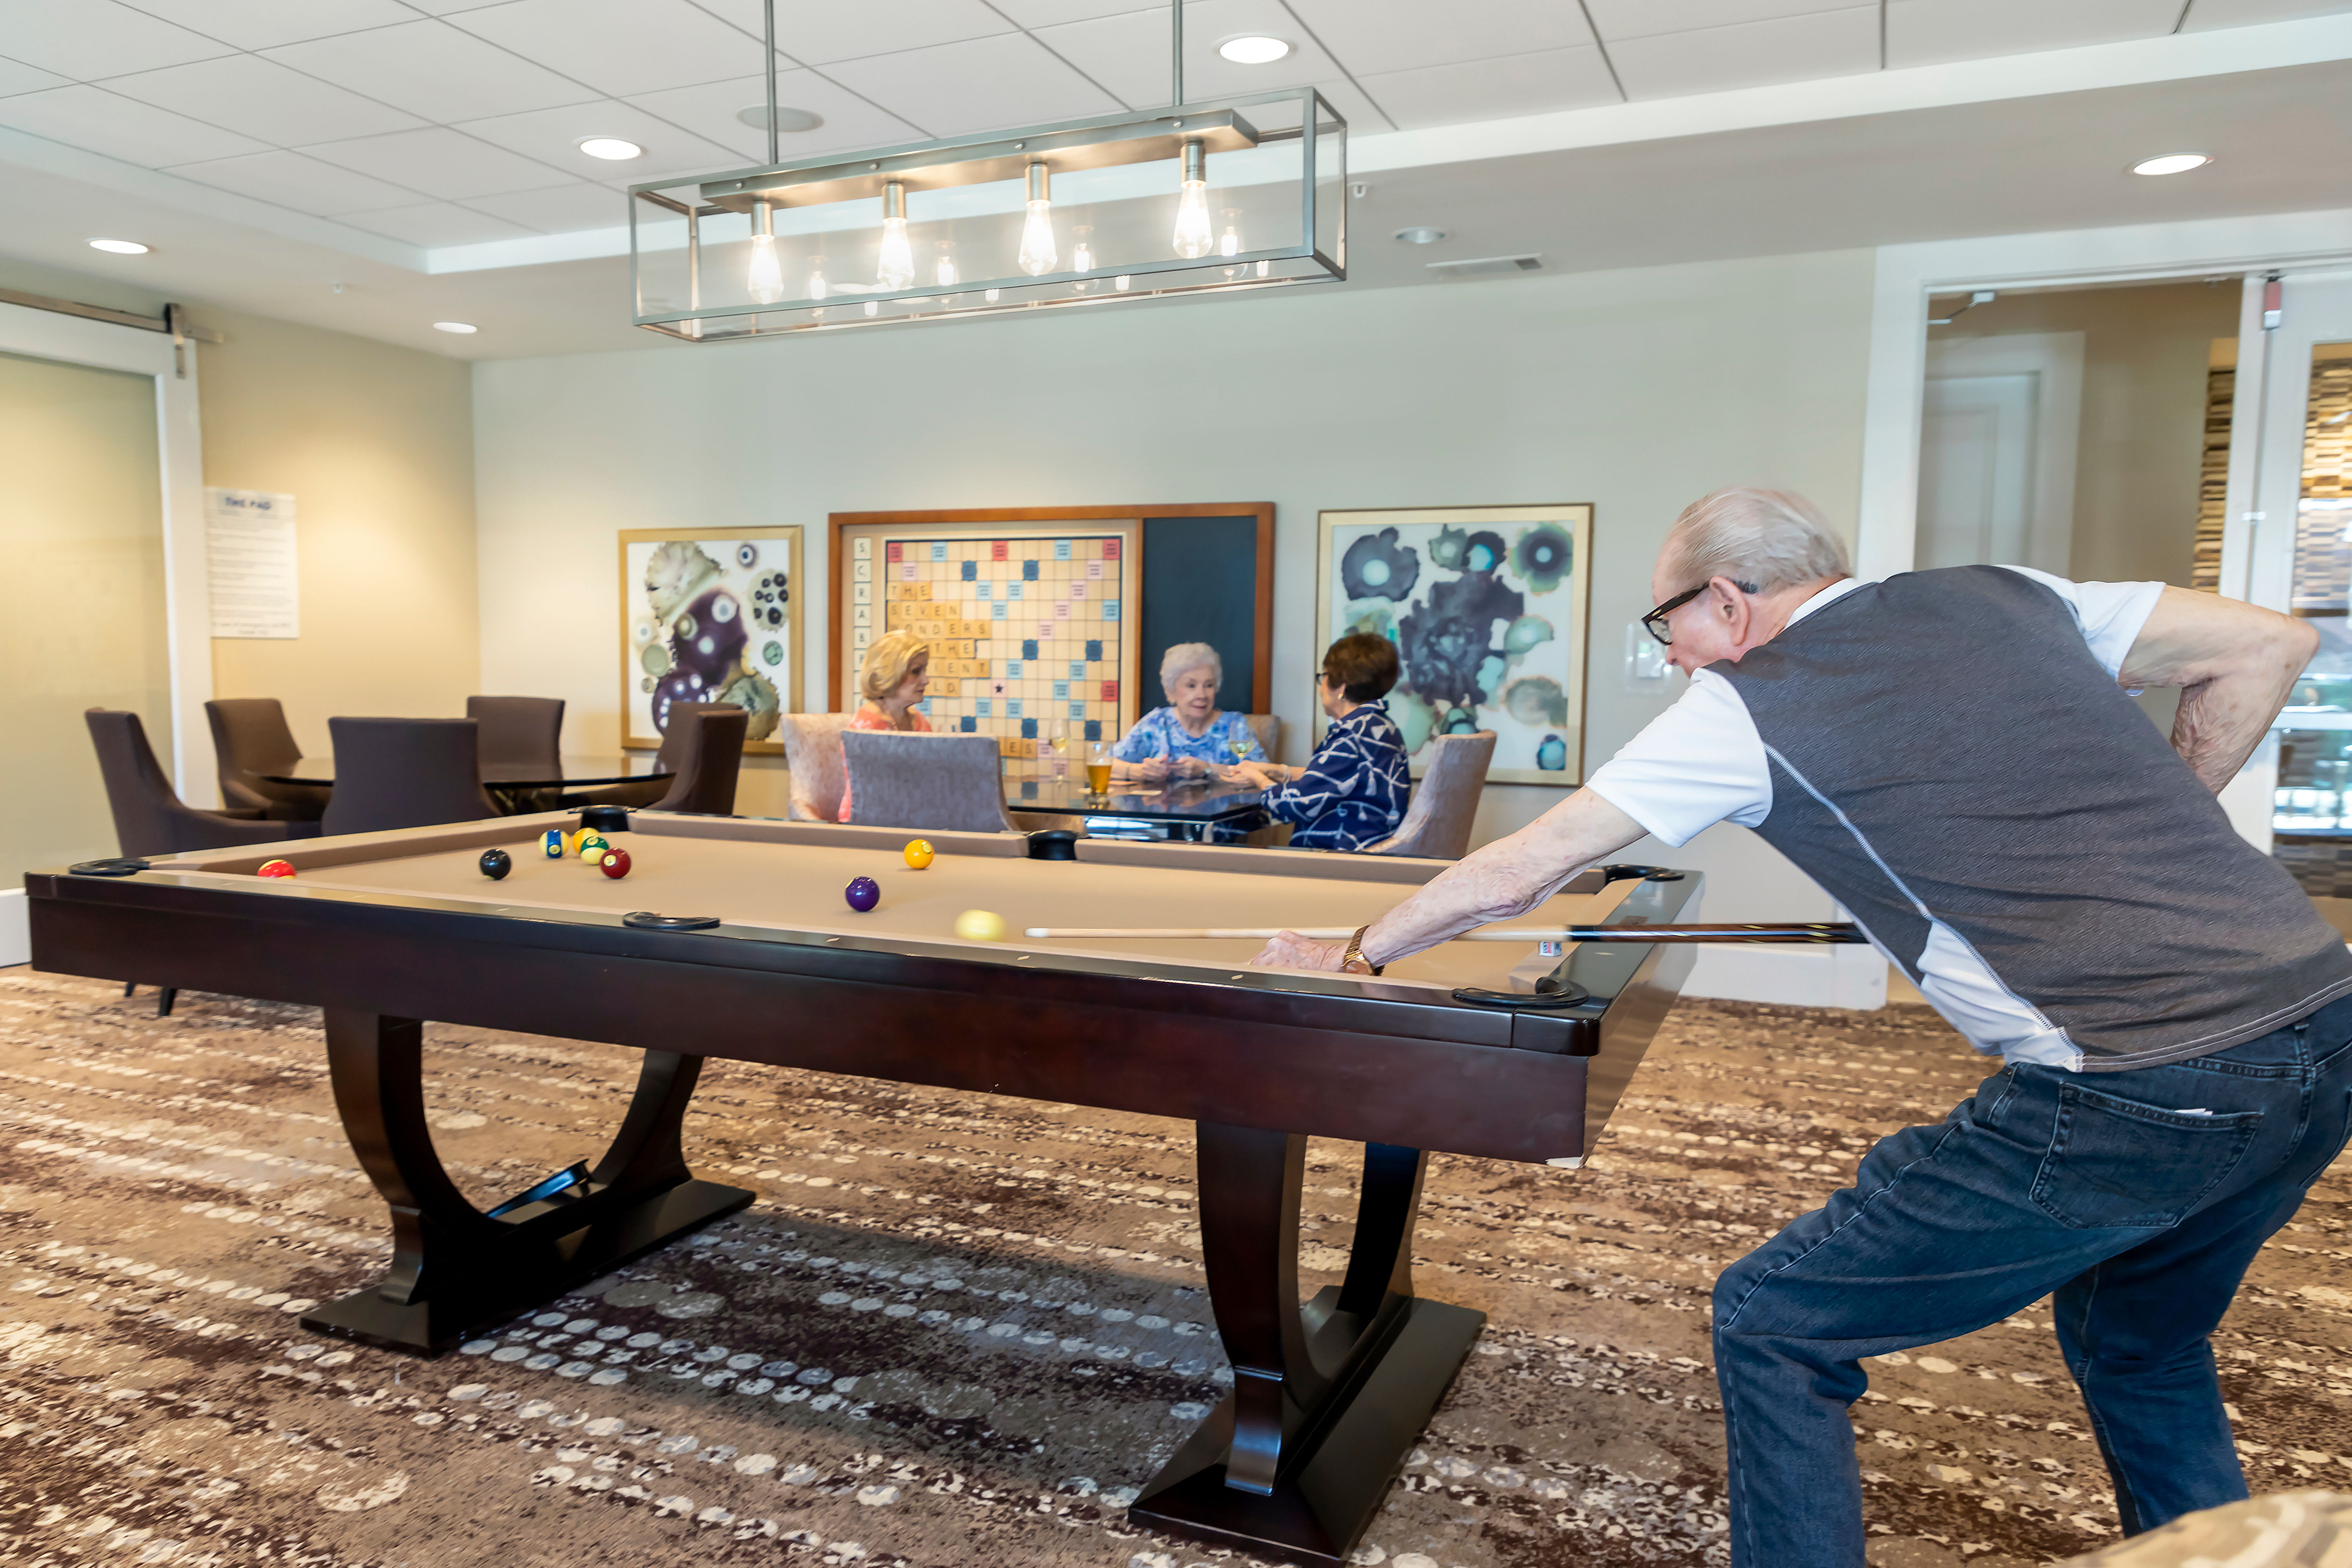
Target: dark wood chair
x: 520, y: 731
x: 149, y: 818
x: 250, y: 738
x: 707, y: 774
x: 405, y: 773
x: 677, y: 756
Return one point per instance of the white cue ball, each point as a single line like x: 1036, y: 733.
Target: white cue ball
x: 980, y: 925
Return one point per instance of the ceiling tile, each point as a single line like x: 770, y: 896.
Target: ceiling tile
x: 1051, y: 13
x: 100, y: 121
x: 440, y: 162
x: 1127, y: 55
x: 1753, y: 53
x: 432, y: 70
x: 975, y: 86
x: 85, y: 38
x: 290, y: 180
x: 850, y: 124
x: 1494, y: 89
x: 15, y: 76
x: 1378, y: 36
x: 619, y: 46
x: 1648, y: 18
x: 818, y: 32
x: 264, y: 100
x: 436, y: 222
x: 261, y: 24
x: 1930, y: 32
x: 553, y: 137
x: 559, y: 210
x: 2204, y: 15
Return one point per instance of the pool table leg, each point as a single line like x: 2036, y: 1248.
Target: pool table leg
x: 1327, y: 1398
x: 454, y: 1269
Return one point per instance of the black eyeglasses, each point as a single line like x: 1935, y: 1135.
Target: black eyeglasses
x: 1655, y: 621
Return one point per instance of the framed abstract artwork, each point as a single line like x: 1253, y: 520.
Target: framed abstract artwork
x: 1486, y: 607
x: 709, y: 618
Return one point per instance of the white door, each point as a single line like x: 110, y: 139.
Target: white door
x: 2289, y: 546
x: 1998, y: 433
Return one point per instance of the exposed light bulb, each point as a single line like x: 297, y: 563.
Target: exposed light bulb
x: 947, y: 274
x: 1230, y: 242
x: 764, y: 280
x: 1082, y: 254
x: 872, y: 308
x: 895, y: 268
x: 991, y: 295
x: 1193, y: 237
x: 817, y: 287
x: 1120, y: 283
x: 1038, y: 254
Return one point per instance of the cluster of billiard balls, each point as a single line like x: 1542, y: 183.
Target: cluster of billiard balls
x: 864, y: 894
x: 585, y: 844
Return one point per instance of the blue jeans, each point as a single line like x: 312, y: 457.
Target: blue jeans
x: 2137, y: 1197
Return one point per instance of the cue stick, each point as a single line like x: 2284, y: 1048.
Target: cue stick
x: 1825, y: 931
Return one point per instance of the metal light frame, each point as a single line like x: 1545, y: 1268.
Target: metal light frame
x: 1068, y: 146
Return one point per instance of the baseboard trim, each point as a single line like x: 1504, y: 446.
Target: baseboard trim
x: 15, y: 928
x: 1800, y: 977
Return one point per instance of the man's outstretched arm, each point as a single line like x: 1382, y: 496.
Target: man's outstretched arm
x: 2234, y: 664
x: 1507, y: 877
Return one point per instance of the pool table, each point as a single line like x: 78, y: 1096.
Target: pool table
x: 732, y: 938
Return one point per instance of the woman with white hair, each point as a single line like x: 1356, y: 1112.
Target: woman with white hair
x: 1190, y: 738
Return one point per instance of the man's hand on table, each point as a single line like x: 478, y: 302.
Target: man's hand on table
x: 1291, y: 951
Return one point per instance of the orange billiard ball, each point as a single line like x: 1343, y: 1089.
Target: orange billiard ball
x: 614, y: 863
x: 918, y: 853
x: 276, y: 869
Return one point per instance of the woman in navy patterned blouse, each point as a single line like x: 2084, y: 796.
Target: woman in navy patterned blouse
x: 1189, y: 738
x: 1351, y: 794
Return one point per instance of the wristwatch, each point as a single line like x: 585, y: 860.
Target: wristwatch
x: 1354, y: 962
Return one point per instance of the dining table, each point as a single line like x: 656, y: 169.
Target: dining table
x: 1188, y: 810
x: 518, y: 785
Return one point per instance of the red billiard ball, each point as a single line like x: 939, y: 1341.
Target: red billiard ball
x: 276, y: 869
x: 863, y: 893
x: 615, y: 864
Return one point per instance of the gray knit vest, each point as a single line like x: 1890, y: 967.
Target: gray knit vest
x: 1945, y: 749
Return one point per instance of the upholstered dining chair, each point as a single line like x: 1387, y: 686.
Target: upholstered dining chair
x: 250, y: 738
x: 1267, y: 728
x: 945, y: 783
x: 405, y: 773
x: 149, y: 818
x: 521, y: 732
x: 676, y: 743
x: 1436, y: 824
x: 712, y: 761
x: 813, y: 756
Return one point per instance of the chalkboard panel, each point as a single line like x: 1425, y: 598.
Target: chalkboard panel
x: 1199, y: 580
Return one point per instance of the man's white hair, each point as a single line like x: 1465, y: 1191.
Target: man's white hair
x: 1760, y: 539
x: 1187, y: 656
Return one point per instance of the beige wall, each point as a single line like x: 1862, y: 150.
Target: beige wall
x: 1635, y: 390
x: 375, y: 444
x: 2146, y: 350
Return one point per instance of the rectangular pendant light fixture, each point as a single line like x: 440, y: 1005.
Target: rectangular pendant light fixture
x: 1241, y: 193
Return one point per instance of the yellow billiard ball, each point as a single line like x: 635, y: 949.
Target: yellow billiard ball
x: 918, y: 853
x: 980, y: 925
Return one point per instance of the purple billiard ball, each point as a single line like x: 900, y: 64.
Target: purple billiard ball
x: 863, y: 893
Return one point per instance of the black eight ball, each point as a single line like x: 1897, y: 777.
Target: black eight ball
x: 496, y: 864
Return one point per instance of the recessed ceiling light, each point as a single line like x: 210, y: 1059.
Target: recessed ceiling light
x: 1252, y: 50
x: 788, y: 119
x: 461, y: 328
x: 119, y: 247
x: 611, y: 147
x: 1420, y: 236
x: 2171, y: 163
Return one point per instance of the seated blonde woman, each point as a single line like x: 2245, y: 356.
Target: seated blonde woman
x: 1190, y: 738
x: 897, y: 672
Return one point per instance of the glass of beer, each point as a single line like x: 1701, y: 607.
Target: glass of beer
x: 1099, y: 768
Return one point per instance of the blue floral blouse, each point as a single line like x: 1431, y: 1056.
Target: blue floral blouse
x: 1160, y: 733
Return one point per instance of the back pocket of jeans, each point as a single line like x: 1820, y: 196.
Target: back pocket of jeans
x: 2114, y: 1161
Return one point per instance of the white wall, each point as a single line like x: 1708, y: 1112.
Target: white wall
x: 1635, y: 390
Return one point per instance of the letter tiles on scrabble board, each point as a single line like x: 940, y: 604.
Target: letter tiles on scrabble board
x: 1028, y: 636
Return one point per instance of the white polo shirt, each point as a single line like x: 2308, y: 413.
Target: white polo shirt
x: 1702, y: 761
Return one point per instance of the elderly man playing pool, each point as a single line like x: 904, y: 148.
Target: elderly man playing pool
x: 1952, y: 754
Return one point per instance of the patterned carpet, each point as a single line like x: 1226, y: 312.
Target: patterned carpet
x: 959, y: 1331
